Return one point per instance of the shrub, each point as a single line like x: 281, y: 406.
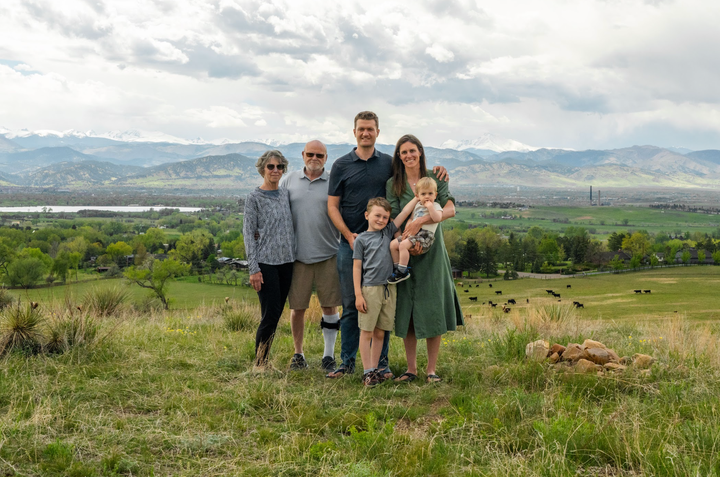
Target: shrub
x: 243, y: 317
x: 113, y: 272
x: 21, y: 329
x: 70, y: 330
x: 5, y: 299
x: 105, y: 301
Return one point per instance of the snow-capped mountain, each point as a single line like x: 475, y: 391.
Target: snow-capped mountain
x: 131, y: 135
x: 490, y: 142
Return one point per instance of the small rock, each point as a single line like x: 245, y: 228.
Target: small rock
x: 613, y: 355
x: 642, y: 361
x: 537, y: 350
x: 626, y: 360
x: 573, y: 352
x: 554, y: 358
x: 585, y: 366
x: 590, y: 344
x: 614, y: 367
x: 557, y: 348
x: 598, y: 355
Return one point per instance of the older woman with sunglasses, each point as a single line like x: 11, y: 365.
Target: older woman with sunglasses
x: 269, y: 247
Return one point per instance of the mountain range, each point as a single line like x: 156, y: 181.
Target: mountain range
x: 83, y: 160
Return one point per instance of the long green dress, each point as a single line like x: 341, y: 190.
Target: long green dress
x: 428, y: 297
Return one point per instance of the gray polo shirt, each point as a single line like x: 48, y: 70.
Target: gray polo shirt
x: 316, y: 237
x: 373, y: 248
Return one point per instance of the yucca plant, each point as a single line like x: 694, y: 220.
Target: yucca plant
x: 70, y: 330
x: 21, y: 329
x: 105, y: 301
x: 243, y: 317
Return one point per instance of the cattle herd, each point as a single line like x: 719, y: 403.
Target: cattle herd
x: 512, y: 301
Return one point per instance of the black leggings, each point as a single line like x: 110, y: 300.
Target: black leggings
x: 272, y: 295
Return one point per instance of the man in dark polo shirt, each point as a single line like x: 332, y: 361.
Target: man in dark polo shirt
x: 355, y: 178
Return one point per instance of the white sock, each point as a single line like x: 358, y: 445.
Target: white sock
x: 402, y: 268
x: 330, y: 335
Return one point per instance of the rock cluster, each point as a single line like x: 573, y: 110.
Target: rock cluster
x: 589, y: 357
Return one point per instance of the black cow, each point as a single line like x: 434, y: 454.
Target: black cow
x: 493, y: 305
x: 499, y: 292
x: 646, y: 291
x: 466, y: 291
x: 569, y: 286
x: 477, y: 286
x: 638, y: 291
x: 512, y: 301
x: 549, y: 292
x: 473, y: 298
x: 490, y: 285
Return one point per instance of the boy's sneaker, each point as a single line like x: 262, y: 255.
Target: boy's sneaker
x: 298, y: 362
x: 328, y: 363
x: 399, y: 276
x: 371, y: 379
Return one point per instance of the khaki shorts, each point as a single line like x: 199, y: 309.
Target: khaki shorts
x: 380, y: 306
x: 327, y: 283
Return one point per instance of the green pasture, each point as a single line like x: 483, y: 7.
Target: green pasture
x: 691, y: 291
x: 183, y: 294
x: 605, y: 220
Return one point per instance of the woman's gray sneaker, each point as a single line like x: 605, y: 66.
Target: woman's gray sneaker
x: 298, y: 362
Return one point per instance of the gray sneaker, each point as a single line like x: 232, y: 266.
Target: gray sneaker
x: 328, y: 363
x: 298, y: 362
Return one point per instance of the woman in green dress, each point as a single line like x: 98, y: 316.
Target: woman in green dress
x: 427, y: 303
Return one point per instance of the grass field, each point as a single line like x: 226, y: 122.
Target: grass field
x: 171, y: 394
x: 687, y: 290
x: 183, y: 294
x: 605, y: 220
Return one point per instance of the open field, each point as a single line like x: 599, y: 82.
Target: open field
x: 687, y: 290
x: 183, y: 294
x: 171, y: 394
x: 605, y: 220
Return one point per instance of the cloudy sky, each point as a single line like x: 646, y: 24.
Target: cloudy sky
x: 561, y: 73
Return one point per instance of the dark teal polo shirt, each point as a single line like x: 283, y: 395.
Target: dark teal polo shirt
x: 356, y: 182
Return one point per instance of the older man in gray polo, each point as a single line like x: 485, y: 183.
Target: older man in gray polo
x: 317, y: 242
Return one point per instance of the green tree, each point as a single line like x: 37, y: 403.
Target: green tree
x: 7, y: 253
x: 549, y: 249
x: 26, y: 271
x: 637, y: 243
x: 615, y: 241
x: 686, y: 257
x: 234, y: 248
x: 470, y: 256
x: 488, y: 261
x: 194, y: 248
x: 701, y: 256
x: 118, y: 250
x: 616, y: 264
x: 61, y: 266
x: 635, y: 261
x: 654, y: 261
x: 716, y: 257
x: 75, y: 259
x: 156, y: 275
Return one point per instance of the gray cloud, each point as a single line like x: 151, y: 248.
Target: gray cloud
x: 81, y: 27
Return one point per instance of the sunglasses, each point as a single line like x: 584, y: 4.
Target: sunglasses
x: 315, y: 154
x: 271, y: 167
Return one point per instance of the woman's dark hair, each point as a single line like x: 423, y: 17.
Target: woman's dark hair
x: 399, y: 176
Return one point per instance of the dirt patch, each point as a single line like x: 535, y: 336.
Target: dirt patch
x: 585, y: 217
x: 662, y: 280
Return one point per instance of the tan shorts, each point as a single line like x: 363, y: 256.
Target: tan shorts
x: 327, y: 283
x: 380, y: 306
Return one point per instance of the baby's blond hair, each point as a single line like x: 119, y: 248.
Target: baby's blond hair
x: 426, y: 183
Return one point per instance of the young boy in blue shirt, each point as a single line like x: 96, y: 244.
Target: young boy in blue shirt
x: 374, y: 298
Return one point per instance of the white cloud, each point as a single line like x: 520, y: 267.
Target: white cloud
x: 576, y: 74
x: 439, y: 53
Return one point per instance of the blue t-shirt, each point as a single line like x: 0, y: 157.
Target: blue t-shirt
x: 373, y: 248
